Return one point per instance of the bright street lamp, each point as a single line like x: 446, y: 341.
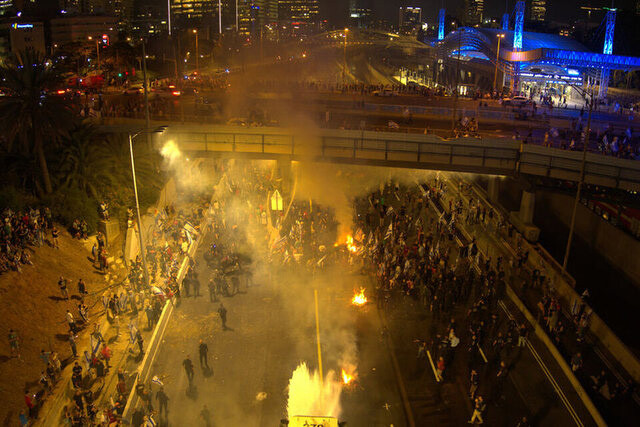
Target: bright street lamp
x: 160, y: 129
x: 195, y: 31
x: 495, y: 76
x: 591, y: 98
x: 344, y: 57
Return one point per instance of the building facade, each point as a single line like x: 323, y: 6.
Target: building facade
x: 71, y: 29
x: 302, y: 11
x: 360, y: 13
x: 410, y: 19
x: 27, y: 36
x: 538, y: 12
x: 474, y: 11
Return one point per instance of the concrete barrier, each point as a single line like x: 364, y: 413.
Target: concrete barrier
x: 544, y: 338
x: 564, y: 288
x: 144, y: 369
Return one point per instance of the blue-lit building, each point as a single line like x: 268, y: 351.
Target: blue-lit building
x: 544, y: 60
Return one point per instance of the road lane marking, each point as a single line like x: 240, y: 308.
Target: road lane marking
x: 548, y: 374
x: 482, y: 354
x: 433, y: 367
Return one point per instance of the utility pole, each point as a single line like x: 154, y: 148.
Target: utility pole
x: 455, y: 98
x: 495, y: 76
x: 580, y: 184
x: 146, y: 93
x: 195, y: 31
x: 344, y: 58
x: 220, y: 16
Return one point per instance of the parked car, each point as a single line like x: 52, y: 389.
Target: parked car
x: 385, y: 92
x: 133, y: 89
x: 516, y: 101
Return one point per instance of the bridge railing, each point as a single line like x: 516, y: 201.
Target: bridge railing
x: 488, y: 156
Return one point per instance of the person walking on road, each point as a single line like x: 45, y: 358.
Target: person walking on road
x: 205, y: 414
x: 163, y: 402
x: 72, y: 343
x: 223, y: 316
x: 62, y: 284
x: 522, y: 335
x: 440, y: 367
x: 14, y: 343
x: 204, y: 351
x: 140, y: 342
x: 478, y: 409
x: 188, y: 368
x: 71, y: 321
x: 473, y: 384
x: 576, y: 362
x: 212, y: 291
x: 82, y: 288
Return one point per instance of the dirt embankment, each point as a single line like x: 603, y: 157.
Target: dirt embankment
x: 31, y: 304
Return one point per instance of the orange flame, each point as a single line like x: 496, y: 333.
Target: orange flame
x: 352, y: 248
x: 348, y: 242
x: 346, y: 378
x: 359, y: 299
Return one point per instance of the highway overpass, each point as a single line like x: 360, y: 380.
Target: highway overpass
x: 392, y: 149
x: 486, y: 156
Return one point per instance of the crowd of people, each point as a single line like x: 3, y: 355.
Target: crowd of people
x: 413, y: 252
x: 125, y: 303
x: 566, y: 326
x: 20, y: 232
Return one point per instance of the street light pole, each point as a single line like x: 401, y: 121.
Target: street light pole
x: 98, y: 53
x: 495, y: 76
x: 455, y: 99
x: 220, y: 16
x: 140, y: 227
x: 147, y: 119
x: 580, y: 184
x: 195, y: 31
x: 344, y: 57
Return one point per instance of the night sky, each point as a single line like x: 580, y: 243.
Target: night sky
x: 557, y: 10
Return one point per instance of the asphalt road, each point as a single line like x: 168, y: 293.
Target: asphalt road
x: 272, y: 330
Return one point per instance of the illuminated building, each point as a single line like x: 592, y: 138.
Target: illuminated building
x: 474, y: 10
x: 360, y: 12
x: 303, y: 11
x: 410, y: 18
x: 538, y: 10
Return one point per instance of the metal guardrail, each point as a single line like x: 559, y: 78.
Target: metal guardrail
x: 486, y: 156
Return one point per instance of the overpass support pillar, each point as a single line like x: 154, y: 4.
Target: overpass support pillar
x: 493, y: 190
x: 527, y: 207
x: 523, y: 219
x: 284, y: 172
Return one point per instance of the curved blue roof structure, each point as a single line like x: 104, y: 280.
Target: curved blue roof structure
x: 538, y: 48
x: 532, y: 41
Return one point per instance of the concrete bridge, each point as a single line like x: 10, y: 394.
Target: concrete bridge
x: 393, y: 149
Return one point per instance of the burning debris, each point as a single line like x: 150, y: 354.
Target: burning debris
x: 359, y: 299
x: 347, y: 378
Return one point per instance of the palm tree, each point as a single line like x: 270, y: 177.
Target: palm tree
x: 31, y: 115
x: 84, y: 162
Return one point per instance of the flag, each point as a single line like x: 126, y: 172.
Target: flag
x: 133, y: 331
x: 279, y: 244
x: 157, y: 380
x: 389, y: 232
x: 319, y: 263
